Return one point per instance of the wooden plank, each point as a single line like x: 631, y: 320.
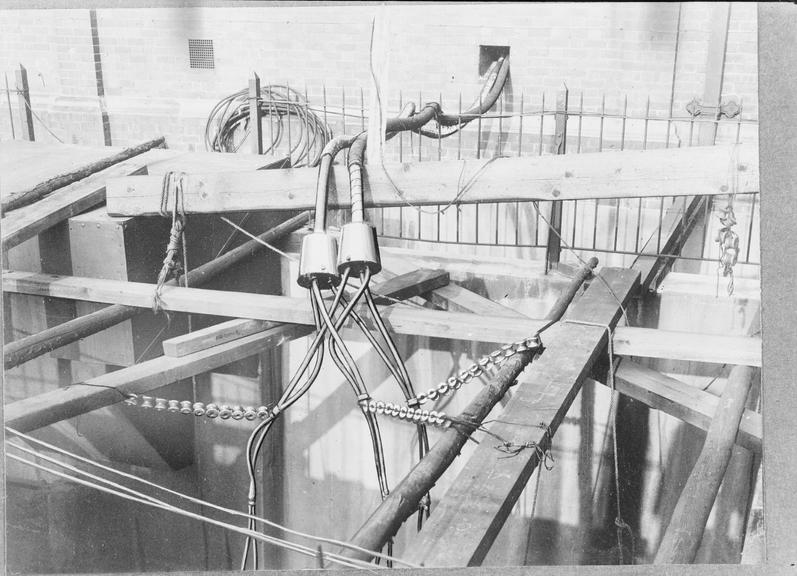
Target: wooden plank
x: 31, y: 220
x: 626, y: 174
x: 403, y: 501
x: 38, y: 411
x: 209, y: 162
x: 25, y: 164
x: 453, y: 297
x: 681, y: 400
x: 670, y: 345
x: 628, y: 341
x: 32, y: 346
x: 409, y: 285
x: 465, y: 523
x: 397, y: 288
x: 401, y: 320
x: 25, y: 197
x: 132, y: 249
x: 668, y: 238
x: 213, y: 336
x: 684, y: 533
x: 706, y: 285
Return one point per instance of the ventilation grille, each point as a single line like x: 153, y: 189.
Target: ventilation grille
x: 200, y: 53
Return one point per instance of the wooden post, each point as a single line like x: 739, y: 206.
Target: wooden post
x: 554, y: 246
x: 715, y: 68
x: 25, y: 110
x: 724, y: 544
x: 30, y: 347
x: 255, y: 129
x: 404, y: 499
x: 682, y: 539
x: 10, y: 110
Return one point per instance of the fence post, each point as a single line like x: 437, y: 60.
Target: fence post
x: 23, y: 98
x: 10, y: 110
x: 554, y: 246
x: 255, y: 129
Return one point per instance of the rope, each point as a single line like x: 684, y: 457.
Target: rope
x: 170, y: 262
x: 619, y: 522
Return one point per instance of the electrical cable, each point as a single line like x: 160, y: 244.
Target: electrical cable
x: 317, y: 268
x: 130, y: 494
x: 95, y: 464
x: 227, y: 125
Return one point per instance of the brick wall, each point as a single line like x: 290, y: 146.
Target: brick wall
x: 617, y: 50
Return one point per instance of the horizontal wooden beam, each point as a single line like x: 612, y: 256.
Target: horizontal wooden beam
x: 49, y: 407
x: 397, y: 288
x: 667, y: 172
x: 29, y: 347
x: 401, y: 320
x: 409, y: 285
x: 681, y: 400
x: 492, y: 327
x: 705, y: 285
x: 669, y: 345
x: 452, y: 297
x: 465, y: 523
x: 213, y: 336
x: 28, y: 221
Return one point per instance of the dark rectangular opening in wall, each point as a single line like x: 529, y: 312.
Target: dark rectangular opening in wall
x: 488, y: 55
x: 200, y: 53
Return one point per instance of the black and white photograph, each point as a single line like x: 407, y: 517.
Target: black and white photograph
x: 442, y: 288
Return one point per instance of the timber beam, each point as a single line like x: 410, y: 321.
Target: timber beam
x: 404, y: 499
x: 63, y: 203
x: 401, y: 320
x: 643, y: 342
x: 30, y: 347
x: 50, y: 407
x: 467, y: 520
x: 627, y: 174
x: 195, y: 353
x: 688, y: 403
x: 681, y: 540
x: 400, y: 287
x: 26, y: 197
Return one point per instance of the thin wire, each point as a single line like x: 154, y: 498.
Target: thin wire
x: 461, y: 190
x: 127, y: 494
x: 232, y: 235
x: 583, y: 262
x: 260, y: 240
x: 187, y: 497
x: 41, y: 121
